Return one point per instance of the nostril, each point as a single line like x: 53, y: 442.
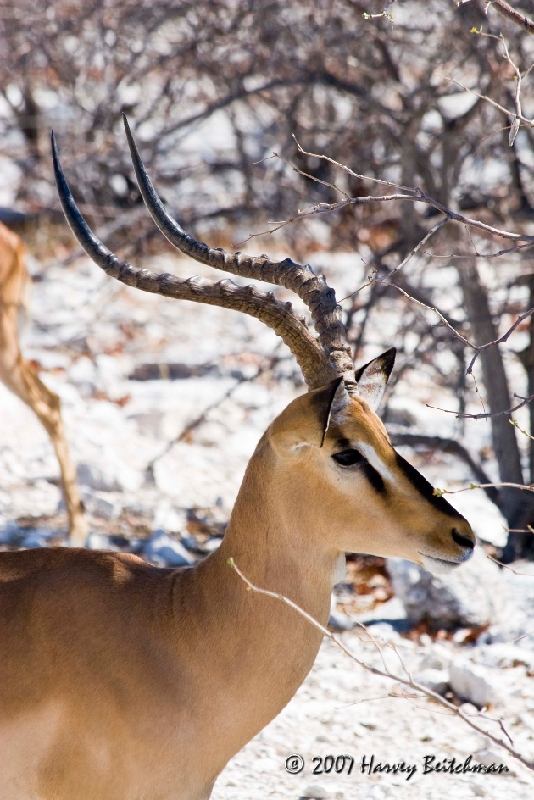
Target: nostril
x: 463, y: 541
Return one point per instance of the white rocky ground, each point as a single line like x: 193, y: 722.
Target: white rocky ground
x: 90, y: 335
x: 342, y: 709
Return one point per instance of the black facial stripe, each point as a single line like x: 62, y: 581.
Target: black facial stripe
x: 374, y: 477
x: 342, y: 444
x: 425, y: 488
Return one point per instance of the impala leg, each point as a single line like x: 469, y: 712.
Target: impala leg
x: 22, y: 379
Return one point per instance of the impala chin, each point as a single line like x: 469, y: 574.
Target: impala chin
x: 443, y: 566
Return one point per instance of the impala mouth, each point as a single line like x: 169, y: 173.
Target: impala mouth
x: 443, y: 566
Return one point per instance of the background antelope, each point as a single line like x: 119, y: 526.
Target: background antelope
x: 22, y: 378
x: 124, y: 680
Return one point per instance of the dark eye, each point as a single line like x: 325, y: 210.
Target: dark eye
x: 348, y: 458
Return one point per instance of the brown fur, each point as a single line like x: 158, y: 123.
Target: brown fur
x: 20, y: 376
x: 120, y: 680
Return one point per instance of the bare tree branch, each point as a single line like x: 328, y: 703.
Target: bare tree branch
x: 486, y: 415
x: 511, y: 13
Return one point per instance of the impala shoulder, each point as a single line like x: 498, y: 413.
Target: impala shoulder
x: 43, y: 562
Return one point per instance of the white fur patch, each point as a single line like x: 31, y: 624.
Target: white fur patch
x: 438, y: 566
x: 372, y: 384
x: 341, y: 569
x: 370, y: 454
x: 296, y: 448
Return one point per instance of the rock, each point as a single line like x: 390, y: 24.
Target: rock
x: 169, y: 519
x: 37, y: 538
x: 105, y: 507
x: 99, y: 541
x: 96, y: 477
x: 9, y: 532
x: 489, y: 757
x: 82, y: 372
x: 506, y: 656
x: 471, y: 596
x: 462, y: 636
x: 212, y: 544
x: 165, y: 551
x: 340, y: 622
x: 108, y: 476
x: 314, y: 792
x: 473, y: 683
x: 435, y: 660
x: 470, y: 711
x: 437, y: 680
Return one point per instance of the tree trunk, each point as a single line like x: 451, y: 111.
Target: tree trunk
x: 512, y: 502
x: 408, y: 224
x: 527, y: 360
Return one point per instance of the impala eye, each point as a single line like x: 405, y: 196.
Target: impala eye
x: 351, y: 458
x: 348, y: 458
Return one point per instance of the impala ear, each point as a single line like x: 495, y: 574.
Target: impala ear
x: 305, y: 420
x: 371, y: 379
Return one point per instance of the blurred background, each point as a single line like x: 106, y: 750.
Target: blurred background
x: 212, y: 90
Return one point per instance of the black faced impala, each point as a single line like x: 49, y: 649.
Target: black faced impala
x: 122, y: 681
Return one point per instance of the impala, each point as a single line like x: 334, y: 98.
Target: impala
x: 22, y: 378
x: 126, y: 681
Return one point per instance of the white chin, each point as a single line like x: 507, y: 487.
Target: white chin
x: 438, y: 566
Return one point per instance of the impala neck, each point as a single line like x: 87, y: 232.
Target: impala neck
x: 255, y: 651
x: 276, y: 543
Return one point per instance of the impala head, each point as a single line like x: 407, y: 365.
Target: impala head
x: 360, y: 494
x: 333, y: 460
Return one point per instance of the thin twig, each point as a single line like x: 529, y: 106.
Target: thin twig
x: 487, y: 414
x: 201, y: 418
x: 523, y: 486
x: 312, y: 177
x: 519, y: 575
x: 524, y: 636
x: 528, y: 122
x: 489, y: 256
x: 443, y: 319
x: 414, y: 193
x: 517, y: 95
x: 415, y: 250
x: 519, y: 428
x: 477, y: 348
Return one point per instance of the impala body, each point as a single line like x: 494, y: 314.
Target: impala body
x: 125, y: 681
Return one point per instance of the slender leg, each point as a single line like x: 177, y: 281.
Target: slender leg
x: 22, y: 379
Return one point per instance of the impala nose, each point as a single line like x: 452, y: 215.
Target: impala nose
x: 461, y: 540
